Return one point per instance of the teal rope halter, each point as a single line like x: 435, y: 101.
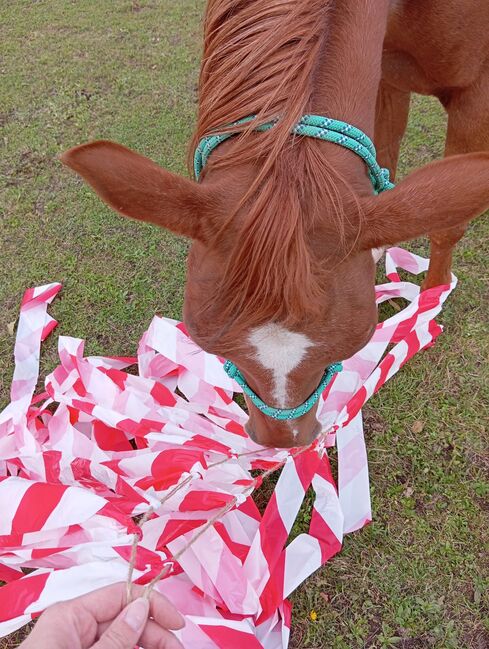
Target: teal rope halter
x: 282, y: 413
x: 321, y: 128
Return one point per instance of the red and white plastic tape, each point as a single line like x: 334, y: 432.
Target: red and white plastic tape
x: 100, y: 446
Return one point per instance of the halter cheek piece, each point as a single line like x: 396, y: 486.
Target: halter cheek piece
x: 329, y: 130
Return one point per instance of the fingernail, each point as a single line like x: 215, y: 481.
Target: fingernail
x: 182, y: 621
x: 137, y: 613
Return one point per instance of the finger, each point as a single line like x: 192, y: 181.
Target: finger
x: 105, y: 603
x: 126, y: 629
x: 153, y: 637
x: 164, y: 612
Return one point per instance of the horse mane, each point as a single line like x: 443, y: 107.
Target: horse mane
x: 260, y: 58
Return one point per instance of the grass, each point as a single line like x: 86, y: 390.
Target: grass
x: 72, y: 71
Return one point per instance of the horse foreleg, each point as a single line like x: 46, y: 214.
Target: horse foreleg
x: 468, y: 132
x: 391, y: 117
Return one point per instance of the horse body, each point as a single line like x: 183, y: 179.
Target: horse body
x: 280, y: 274
x: 436, y: 48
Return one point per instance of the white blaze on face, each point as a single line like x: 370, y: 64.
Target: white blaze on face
x: 280, y: 351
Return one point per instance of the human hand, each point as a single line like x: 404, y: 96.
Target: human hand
x: 101, y: 620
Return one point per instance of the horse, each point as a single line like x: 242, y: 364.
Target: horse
x: 280, y: 274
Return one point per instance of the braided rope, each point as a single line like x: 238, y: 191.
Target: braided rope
x: 318, y: 127
x: 282, y: 414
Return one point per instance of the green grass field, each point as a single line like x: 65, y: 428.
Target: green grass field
x: 72, y: 71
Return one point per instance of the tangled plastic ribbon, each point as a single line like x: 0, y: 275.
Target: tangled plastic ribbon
x: 82, y: 461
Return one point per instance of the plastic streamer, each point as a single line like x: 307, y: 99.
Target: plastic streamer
x: 83, y: 461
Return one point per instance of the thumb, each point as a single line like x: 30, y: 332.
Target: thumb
x: 126, y: 629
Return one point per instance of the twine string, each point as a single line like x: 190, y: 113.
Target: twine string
x: 169, y: 563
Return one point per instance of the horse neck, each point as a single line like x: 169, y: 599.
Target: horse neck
x: 343, y: 77
x: 348, y: 74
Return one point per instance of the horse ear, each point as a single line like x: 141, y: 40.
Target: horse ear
x: 137, y: 187
x: 436, y: 197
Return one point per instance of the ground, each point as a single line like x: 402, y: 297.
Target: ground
x: 127, y: 71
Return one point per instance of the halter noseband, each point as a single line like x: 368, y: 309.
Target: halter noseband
x: 329, y: 130
x: 282, y: 413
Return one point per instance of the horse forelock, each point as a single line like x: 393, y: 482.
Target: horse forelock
x: 259, y: 59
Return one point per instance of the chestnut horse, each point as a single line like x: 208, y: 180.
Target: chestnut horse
x: 281, y: 272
